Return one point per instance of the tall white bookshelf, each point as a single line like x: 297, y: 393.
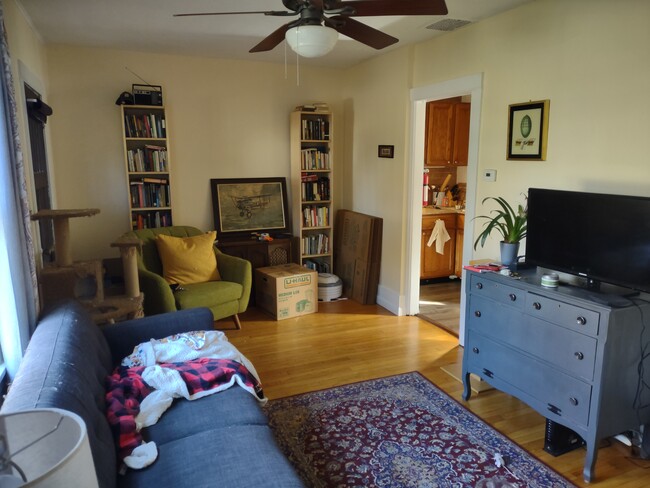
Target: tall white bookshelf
x: 312, y: 165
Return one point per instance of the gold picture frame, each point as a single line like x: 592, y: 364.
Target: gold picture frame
x: 528, y: 130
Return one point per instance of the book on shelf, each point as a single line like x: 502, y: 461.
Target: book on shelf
x: 316, y: 216
x: 315, y: 244
x: 151, y: 126
x: 150, y: 192
x: 315, y: 129
x: 315, y: 189
x: 313, y: 158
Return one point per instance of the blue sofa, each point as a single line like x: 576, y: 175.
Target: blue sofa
x: 220, y: 440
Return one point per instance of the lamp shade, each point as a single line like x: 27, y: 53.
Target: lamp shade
x: 45, y: 448
x: 311, y: 41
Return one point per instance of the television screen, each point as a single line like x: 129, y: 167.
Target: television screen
x: 604, y: 238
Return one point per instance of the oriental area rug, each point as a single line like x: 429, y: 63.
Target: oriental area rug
x: 399, y: 431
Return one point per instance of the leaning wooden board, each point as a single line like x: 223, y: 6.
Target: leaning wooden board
x: 357, y: 254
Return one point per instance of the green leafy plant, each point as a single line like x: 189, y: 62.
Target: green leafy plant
x: 510, y: 224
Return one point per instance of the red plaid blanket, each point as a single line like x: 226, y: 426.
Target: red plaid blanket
x: 125, y: 390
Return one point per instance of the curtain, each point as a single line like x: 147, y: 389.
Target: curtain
x: 18, y: 282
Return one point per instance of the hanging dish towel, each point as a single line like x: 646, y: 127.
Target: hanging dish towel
x: 440, y: 235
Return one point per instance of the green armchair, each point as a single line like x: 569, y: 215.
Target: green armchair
x: 225, y: 298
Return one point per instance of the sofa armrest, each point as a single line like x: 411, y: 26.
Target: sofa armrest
x: 237, y: 270
x: 122, y: 337
x: 158, y: 296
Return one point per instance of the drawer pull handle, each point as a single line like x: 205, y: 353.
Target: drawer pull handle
x: 479, y: 286
x: 579, y: 356
x: 475, y: 350
x: 513, y: 297
x: 581, y: 320
x: 554, y: 409
x: 488, y: 373
x: 477, y: 313
x: 573, y: 401
x: 537, y: 305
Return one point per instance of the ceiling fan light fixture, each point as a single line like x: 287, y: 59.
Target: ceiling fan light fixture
x: 311, y: 41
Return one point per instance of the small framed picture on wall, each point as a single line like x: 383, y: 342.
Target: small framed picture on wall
x: 528, y: 130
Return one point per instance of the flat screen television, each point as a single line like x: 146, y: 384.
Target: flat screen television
x: 603, y: 238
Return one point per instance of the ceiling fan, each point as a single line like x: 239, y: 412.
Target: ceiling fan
x: 316, y: 30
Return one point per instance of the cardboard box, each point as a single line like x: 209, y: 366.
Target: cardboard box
x: 287, y: 290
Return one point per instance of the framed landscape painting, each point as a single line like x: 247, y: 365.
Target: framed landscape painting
x: 243, y: 206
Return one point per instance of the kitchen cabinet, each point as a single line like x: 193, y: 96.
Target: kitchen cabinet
x: 460, y: 237
x: 568, y: 356
x: 433, y: 264
x: 447, y: 133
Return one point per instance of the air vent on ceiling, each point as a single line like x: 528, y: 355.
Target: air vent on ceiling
x: 448, y: 24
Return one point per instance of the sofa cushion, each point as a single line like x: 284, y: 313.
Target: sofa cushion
x: 185, y: 418
x: 207, y: 294
x: 188, y: 260
x: 219, y: 440
x: 65, y: 365
x: 238, y: 456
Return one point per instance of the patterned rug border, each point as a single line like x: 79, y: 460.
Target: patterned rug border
x: 439, y: 389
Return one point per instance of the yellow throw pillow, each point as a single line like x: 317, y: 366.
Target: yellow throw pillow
x: 188, y: 260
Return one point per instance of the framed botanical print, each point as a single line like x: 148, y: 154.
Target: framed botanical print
x: 528, y: 130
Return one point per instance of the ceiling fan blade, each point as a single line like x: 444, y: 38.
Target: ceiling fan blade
x: 272, y: 40
x: 265, y: 12
x: 360, y: 32
x: 369, y: 8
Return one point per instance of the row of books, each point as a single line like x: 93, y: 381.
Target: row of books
x: 315, y: 188
x: 151, y: 220
x: 150, y: 192
x: 320, y: 266
x: 315, y: 244
x: 315, y: 129
x: 314, y: 158
x: 145, y: 126
x: 149, y: 158
x: 316, y: 216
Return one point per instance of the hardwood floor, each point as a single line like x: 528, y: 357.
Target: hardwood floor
x: 440, y: 304
x: 347, y: 342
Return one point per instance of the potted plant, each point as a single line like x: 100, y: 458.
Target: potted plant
x: 510, y: 224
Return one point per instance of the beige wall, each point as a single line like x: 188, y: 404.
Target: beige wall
x: 377, y: 112
x: 229, y: 118
x: 226, y: 119
x: 590, y: 58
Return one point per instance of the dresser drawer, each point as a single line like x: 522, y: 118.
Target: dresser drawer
x: 510, y: 295
x: 568, y: 350
x: 571, y: 316
x: 560, y: 394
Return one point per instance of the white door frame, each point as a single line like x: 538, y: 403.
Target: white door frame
x: 472, y: 85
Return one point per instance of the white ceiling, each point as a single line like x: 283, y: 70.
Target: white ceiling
x: 149, y: 25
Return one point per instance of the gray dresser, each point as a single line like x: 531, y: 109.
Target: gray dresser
x: 562, y: 351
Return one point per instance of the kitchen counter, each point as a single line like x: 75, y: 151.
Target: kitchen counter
x: 441, y: 210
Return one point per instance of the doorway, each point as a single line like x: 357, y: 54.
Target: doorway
x: 470, y: 86
x: 37, y: 114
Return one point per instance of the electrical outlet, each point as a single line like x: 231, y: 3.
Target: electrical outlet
x: 490, y: 175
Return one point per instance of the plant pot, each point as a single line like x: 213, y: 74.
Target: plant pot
x: 509, y: 252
